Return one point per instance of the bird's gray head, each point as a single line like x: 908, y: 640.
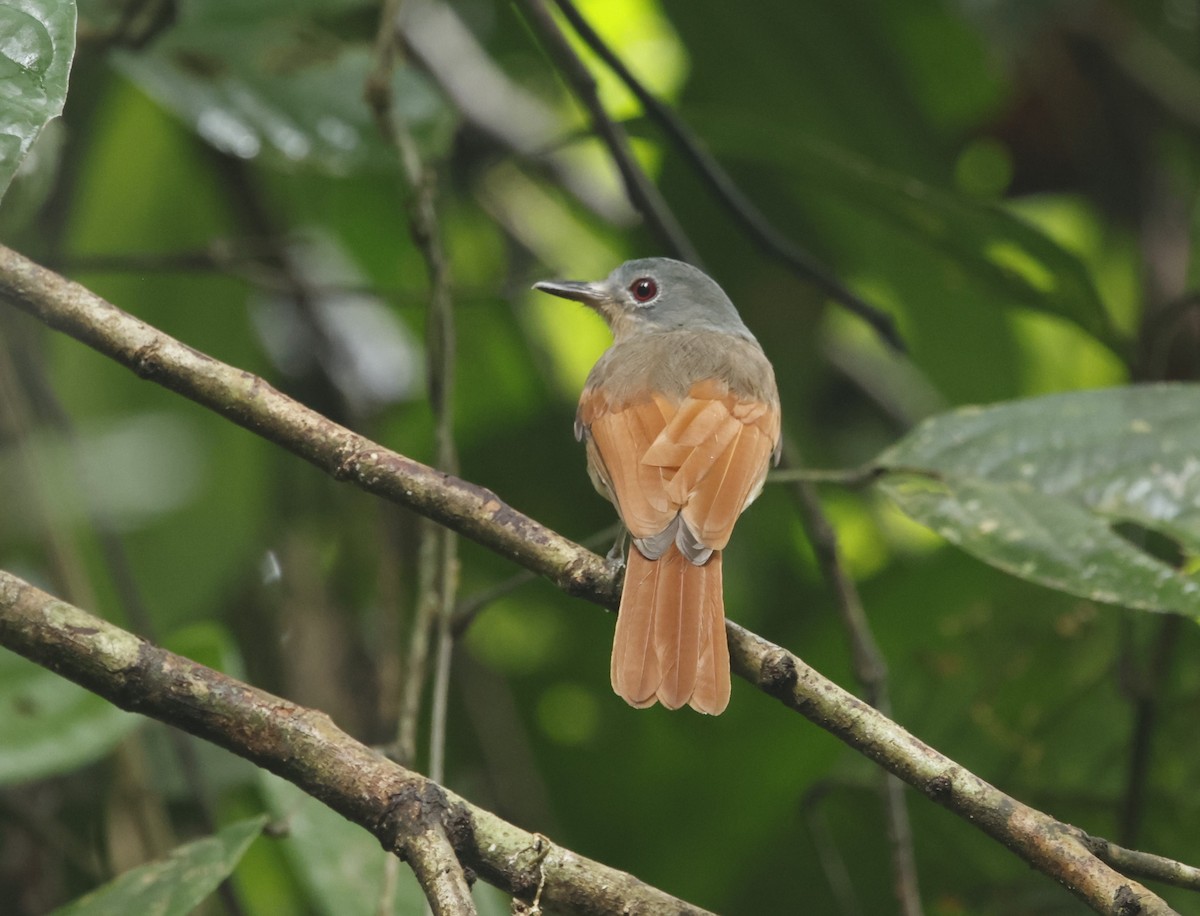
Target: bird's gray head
x: 654, y: 294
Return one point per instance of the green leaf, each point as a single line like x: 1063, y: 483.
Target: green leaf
x: 1036, y: 487
x: 173, y: 886
x: 49, y: 725
x: 37, y: 43
x: 341, y: 863
x: 282, y: 85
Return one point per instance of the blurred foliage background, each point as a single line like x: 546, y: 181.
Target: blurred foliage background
x: 1016, y: 182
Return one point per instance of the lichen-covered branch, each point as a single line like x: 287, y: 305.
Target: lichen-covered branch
x: 1142, y: 864
x: 1046, y: 844
x: 251, y: 402
x: 425, y: 845
x: 303, y: 746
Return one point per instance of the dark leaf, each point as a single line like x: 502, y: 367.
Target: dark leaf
x: 1036, y: 488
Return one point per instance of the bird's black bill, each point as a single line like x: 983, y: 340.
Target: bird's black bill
x: 570, y: 289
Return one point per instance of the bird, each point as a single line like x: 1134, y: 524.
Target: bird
x: 680, y: 418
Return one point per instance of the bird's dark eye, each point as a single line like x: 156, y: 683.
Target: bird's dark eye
x: 644, y: 289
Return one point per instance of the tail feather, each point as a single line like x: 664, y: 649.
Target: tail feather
x: 681, y: 588
x: 670, y: 643
x: 711, y: 695
x: 635, y: 670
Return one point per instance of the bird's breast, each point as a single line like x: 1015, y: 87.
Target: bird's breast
x: 670, y: 363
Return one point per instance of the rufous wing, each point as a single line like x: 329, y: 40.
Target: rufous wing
x: 617, y: 440
x: 706, y: 456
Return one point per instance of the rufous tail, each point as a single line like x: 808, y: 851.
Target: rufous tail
x: 670, y: 644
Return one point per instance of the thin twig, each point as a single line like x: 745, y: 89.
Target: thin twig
x: 849, y: 477
x: 440, y: 579
x: 854, y: 478
x: 439, y: 705
x: 870, y: 669
x: 642, y: 192
x: 1143, y: 864
x: 753, y: 220
x: 404, y: 749
x: 1145, y: 685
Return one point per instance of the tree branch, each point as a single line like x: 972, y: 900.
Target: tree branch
x: 642, y: 193
x: 1048, y: 845
x: 399, y: 807
x: 426, y: 846
x: 1045, y: 843
x: 1143, y: 864
x: 249, y: 401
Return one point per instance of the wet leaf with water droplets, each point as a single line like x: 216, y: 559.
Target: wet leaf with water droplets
x: 37, y: 43
x: 1041, y: 488
x: 285, y: 88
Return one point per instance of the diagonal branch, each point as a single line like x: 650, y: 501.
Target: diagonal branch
x: 1052, y: 847
x: 752, y: 219
x: 1049, y: 845
x: 405, y: 811
x: 249, y: 401
x: 643, y: 194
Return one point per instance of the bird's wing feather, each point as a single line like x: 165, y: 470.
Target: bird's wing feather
x: 705, y: 456
x: 617, y: 438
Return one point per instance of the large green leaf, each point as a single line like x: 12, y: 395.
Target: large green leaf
x: 1036, y: 487
x: 173, y: 886
x: 49, y: 725
x: 37, y: 43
